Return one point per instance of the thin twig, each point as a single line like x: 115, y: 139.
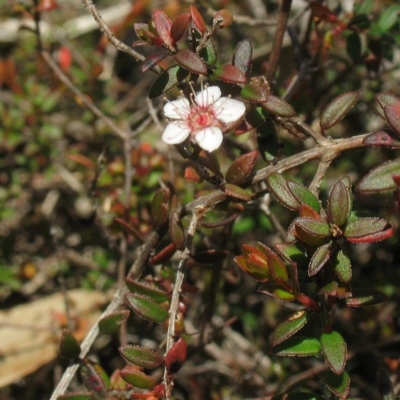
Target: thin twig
x: 283, y: 18
x: 198, y: 213
x: 323, y: 166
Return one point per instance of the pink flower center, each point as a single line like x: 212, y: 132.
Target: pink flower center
x: 202, y: 117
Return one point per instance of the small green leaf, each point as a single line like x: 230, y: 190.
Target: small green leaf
x: 292, y: 253
x: 274, y: 290
x: 241, y: 168
x: 343, y: 267
x: 364, y: 227
x: 303, y: 195
x: 337, y: 109
x: 176, y: 232
x: 146, y: 307
x: 329, y: 289
x: 334, y: 350
x: 299, y: 346
x: 68, y: 347
x: 311, y: 231
x: 277, y: 184
x: 141, y: 356
x: 276, y: 266
x: 95, y: 379
x: 340, y: 202
x: 389, y: 17
x: 278, y: 107
x: 243, y: 55
x: 267, y: 140
x: 209, y: 53
x: 338, y: 384
x: 137, y: 378
x: 140, y: 288
x: 237, y: 192
x: 160, y: 206
x: 320, y: 258
x: 380, y: 179
x: 254, y: 92
x: 167, y: 80
x: 289, y: 327
x: 191, y: 61
x: 111, y: 323
x: 365, y: 297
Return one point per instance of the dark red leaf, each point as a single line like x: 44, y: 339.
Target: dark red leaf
x: 223, y: 18
x: 152, y: 60
x: 198, y: 20
x: 191, y: 61
x: 179, y: 26
x: 230, y: 74
x: 163, y: 26
x: 382, y: 139
x: 176, y: 356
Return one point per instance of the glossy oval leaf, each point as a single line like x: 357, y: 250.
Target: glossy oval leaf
x: 320, y: 258
x: 338, y: 384
x: 311, y: 231
x: 243, y: 56
x: 275, y: 290
x: 223, y: 18
x: 385, y: 99
x: 277, y: 185
x: 382, y: 139
x: 191, y: 61
x: 180, y: 25
x: 276, y: 266
x: 380, y: 179
x: 278, y: 107
x: 254, y: 92
x: 146, y: 307
x: 176, y: 356
x: 141, y: 288
x: 241, y: 168
x: 230, y: 74
x: 111, y: 323
x: 334, y: 349
x: 289, y: 327
x: 337, y: 109
x: 340, y: 202
x: 299, y: 346
x: 198, y: 20
x: 141, y: 356
x: 303, y: 195
x: 137, y: 378
x: 163, y: 26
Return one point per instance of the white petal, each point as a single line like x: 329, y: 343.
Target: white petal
x: 209, y: 138
x: 208, y: 96
x: 175, y: 133
x: 177, y: 109
x: 228, y: 110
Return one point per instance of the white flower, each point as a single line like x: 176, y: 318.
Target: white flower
x: 204, y: 119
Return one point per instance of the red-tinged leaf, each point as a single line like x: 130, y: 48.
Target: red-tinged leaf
x: 230, y: 74
x: 343, y: 267
x: 312, y: 232
x: 210, y: 256
x: 385, y: 385
x: 152, y: 60
x: 179, y: 26
x: 65, y: 58
x: 365, y: 228
x: 47, y: 5
x: 95, y: 379
x: 338, y: 384
x: 274, y: 290
x: 223, y: 18
x: 385, y: 99
x: 392, y: 114
x: 298, y: 346
x: 154, y: 293
x: 137, y: 378
x: 146, y: 307
x: 289, y: 327
x: 291, y: 233
x: 337, y: 109
x: 343, y: 291
x: 320, y: 258
x: 176, y: 356
x: 142, y: 31
x: 191, y: 61
x: 253, y: 253
x: 380, y: 179
x: 375, y: 237
x: 243, y: 55
x: 293, y: 253
x: 382, y: 139
x: 141, y: 356
x: 68, y: 346
x: 306, y: 211
x: 329, y: 289
x: 279, y: 107
x: 241, y: 168
x: 254, y: 92
x: 340, y: 202
x: 163, y: 26
x: 116, y: 381
x: 111, y: 323
x: 237, y: 192
x: 334, y: 350
x: 176, y: 232
x: 160, y: 206
x: 168, y: 80
x: 76, y: 396
x: 198, y: 20
x: 303, y: 195
x: 276, y: 266
x: 191, y: 174
x: 257, y: 269
x: 365, y: 297
x: 163, y: 255
x: 277, y: 185
x: 308, y: 302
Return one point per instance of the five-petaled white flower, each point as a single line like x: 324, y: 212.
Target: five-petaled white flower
x: 205, y: 118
